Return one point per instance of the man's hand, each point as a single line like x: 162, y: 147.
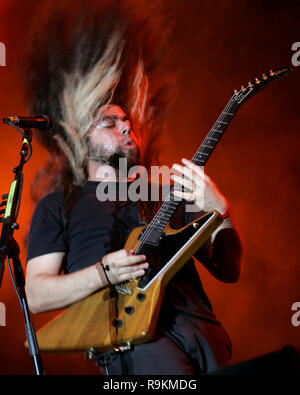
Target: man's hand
x: 222, y: 253
x: 202, y: 191
x: 122, y: 265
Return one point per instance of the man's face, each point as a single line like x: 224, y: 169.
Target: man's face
x: 111, y: 138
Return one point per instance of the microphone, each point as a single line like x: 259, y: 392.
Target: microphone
x: 41, y: 122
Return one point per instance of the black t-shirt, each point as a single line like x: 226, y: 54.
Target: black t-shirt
x: 97, y: 228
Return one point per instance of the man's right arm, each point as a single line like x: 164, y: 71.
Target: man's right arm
x: 47, y: 289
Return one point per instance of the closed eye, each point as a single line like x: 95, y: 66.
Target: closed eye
x: 110, y: 121
x: 107, y: 123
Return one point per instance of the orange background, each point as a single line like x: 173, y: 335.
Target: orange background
x: 218, y: 46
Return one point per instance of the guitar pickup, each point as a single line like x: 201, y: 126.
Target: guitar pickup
x: 152, y: 237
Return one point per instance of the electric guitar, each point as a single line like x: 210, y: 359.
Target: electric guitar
x: 114, y: 318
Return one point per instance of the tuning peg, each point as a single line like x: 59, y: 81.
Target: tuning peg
x: 257, y: 80
x: 243, y: 88
x: 271, y: 73
x: 4, y: 197
x: 235, y: 92
x: 250, y: 84
x: 3, y: 204
x: 2, y: 211
x: 264, y: 76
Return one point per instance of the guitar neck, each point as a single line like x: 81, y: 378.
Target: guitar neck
x: 155, y: 229
x: 216, y: 132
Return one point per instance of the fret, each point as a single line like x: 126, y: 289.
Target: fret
x: 205, y: 149
x: 215, y: 135
x: 158, y: 224
x: 213, y: 138
x: 216, y: 130
x: 161, y: 219
x: 199, y: 162
x: 200, y: 159
x: 174, y: 201
x: 208, y: 146
x: 226, y: 116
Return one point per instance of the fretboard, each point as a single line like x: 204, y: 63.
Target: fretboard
x: 155, y: 228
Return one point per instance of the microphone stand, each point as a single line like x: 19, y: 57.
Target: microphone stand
x: 9, y: 248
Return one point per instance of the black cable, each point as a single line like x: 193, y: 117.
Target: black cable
x: 19, y: 197
x: 13, y: 281
x: 24, y: 136
x: 25, y: 160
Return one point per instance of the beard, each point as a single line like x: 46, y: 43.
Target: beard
x: 101, y: 155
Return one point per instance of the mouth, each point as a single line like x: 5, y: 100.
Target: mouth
x: 130, y: 144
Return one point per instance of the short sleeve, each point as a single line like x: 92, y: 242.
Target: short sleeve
x: 46, y: 234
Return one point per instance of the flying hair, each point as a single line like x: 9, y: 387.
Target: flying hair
x: 81, y: 59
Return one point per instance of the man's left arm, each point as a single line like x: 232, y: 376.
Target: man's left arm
x: 222, y: 253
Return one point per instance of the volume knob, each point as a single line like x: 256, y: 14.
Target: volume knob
x: 117, y: 323
x: 129, y: 310
x: 141, y: 296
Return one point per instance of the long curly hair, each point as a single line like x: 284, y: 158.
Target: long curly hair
x: 85, y: 55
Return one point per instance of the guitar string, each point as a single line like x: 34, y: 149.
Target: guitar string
x: 177, y: 186
x: 166, y: 202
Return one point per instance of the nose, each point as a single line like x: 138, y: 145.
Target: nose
x: 124, y: 129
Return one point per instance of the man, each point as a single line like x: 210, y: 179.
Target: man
x: 72, y: 231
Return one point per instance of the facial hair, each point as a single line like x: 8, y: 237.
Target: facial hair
x: 101, y: 155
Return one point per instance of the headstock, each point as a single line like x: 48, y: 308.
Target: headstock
x: 245, y: 92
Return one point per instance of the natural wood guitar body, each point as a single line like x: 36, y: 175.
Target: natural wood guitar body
x: 109, y: 318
